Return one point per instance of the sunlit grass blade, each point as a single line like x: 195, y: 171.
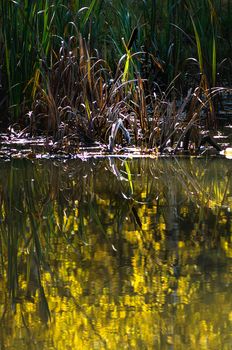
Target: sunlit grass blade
x: 199, y: 48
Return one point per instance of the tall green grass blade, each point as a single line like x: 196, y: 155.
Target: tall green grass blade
x: 88, y: 13
x: 199, y: 48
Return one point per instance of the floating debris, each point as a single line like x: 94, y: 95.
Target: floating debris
x: 227, y: 152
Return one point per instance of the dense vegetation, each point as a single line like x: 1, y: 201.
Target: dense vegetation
x: 142, y: 72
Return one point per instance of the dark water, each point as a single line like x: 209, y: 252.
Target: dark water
x: 116, y: 254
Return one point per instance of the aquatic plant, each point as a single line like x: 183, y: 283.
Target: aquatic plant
x: 95, y: 62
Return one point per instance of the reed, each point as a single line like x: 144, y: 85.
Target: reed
x: 111, y: 57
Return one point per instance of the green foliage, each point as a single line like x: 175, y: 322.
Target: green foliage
x: 170, y: 33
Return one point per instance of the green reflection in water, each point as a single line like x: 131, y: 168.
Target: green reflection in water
x: 116, y: 254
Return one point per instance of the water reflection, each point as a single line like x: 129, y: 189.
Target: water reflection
x: 116, y: 254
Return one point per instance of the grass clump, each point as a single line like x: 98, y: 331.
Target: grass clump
x: 145, y: 73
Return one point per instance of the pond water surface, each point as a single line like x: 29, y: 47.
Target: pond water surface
x: 116, y: 254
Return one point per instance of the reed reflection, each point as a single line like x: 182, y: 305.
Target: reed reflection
x: 116, y: 253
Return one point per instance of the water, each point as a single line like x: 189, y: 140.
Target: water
x: 116, y: 254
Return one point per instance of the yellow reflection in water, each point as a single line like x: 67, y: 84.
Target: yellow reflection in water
x: 107, y: 279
